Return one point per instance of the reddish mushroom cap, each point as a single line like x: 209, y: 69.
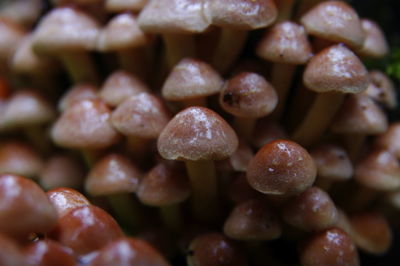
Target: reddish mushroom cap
x: 48, y: 252
x: 10, y: 253
x: 66, y: 199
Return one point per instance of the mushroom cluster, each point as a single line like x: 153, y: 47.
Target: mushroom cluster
x: 194, y: 132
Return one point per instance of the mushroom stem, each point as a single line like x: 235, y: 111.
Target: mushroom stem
x: 285, y: 9
x: 201, y: 101
x: 40, y: 141
x: 137, y: 147
x: 79, y: 66
x: 178, y: 46
x: 127, y: 211
x: 244, y: 126
x: 172, y: 217
x: 354, y: 143
x: 304, y: 6
x: 134, y: 61
x: 318, y: 118
x: 90, y: 157
x: 203, y: 178
x: 229, y: 47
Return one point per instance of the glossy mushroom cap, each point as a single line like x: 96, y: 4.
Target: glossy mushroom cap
x: 85, y: 125
x: 119, y: 86
x: 76, y: 93
x: 143, y: 115
x: 252, y: 220
x: 248, y: 95
x: 243, y: 14
x: 285, y: 42
x: 48, y: 252
x: 281, y: 167
x: 112, y: 174
x: 24, y: 207
x: 375, y: 44
x: 10, y: 253
x: 197, y: 133
x: 66, y: 199
x: 336, y: 68
x: 190, y: 79
x: 331, y: 247
x: 381, y: 89
x: 335, y: 21
x: 389, y: 139
x: 118, y: 6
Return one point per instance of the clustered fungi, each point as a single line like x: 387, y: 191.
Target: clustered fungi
x: 226, y: 132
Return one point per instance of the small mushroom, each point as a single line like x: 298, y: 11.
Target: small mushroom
x: 76, y: 93
x: 46, y: 253
x: 375, y: 44
x: 66, y: 199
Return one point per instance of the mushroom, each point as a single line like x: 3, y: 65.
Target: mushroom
x: 240, y: 191
x: 22, y: 12
x: 10, y: 253
x: 47, y: 252
x: 266, y: 131
x: 389, y: 139
x: 381, y: 89
x: 12, y: 34
x: 285, y: 9
x: 117, y: 6
x: 66, y: 199
x: 76, y: 93
x: 375, y: 44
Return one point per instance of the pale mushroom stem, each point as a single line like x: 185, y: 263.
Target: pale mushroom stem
x: 127, y: 210
x: 318, y: 118
x: 202, y: 175
x: 79, y: 66
x: 177, y: 47
x: 285, y: 8
x: 134, y: 61
x: 229, y: 47
x: 172, y: 217
x: 354, y: 143
x: 244, y: 126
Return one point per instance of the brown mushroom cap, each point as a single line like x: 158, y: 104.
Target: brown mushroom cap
x: 85, y: 125
x: 191, y: 78
x: 335, y: 21
x: 285, y: 42
x: 48, y: 252
x: 10, y: 253
x: 66, y: 199
x: 112, y: 174
x: 77, y: 93
x: 243, y: 14
x: 389, y: 139
x: 124, y: 5
x: 375, y: 44
x: 281, y: 167
x: 252, y: 220
x: 197, y: 133
x: 23, y: 12
x: 143, y: 115
x: 382, y: 89
x: 11, y: 35
x: 248, y: 95
x: 336, y: 68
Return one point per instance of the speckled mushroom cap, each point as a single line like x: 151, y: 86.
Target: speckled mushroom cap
x: 389, y: 139
x: 252, y: 220
x: 332, y: 162
x: 174, y: 16
x: 143, y: 115
x: 335, y: 21
x: 248, y: 95
x: 113, y: 174
x: 118, y: 6
x: 197, y: 133
x: 378, y: 170
x: 336, y: 68
x: 65, y: 28
x: 285, y: 42
x: 243, y: 14
x: 121, y: 32
x: 281, y: 167
x: 191, y: 78
x: 359, y: 114
x: 375, y: 44
x: 85, y: 125
x: 66, y: 199
x: 76, y: 93
x: 11, y: 35
x: 381, y: 89
x: 119, y: 86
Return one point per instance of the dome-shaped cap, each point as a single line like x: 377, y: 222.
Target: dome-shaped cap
x: 66, y: 199
x: 375, y: 44
x: 48, y: 252
x: 11, y: 35
x: 76, y: 93
x: 381, y: 89
x: 22, y: 12
x: 389, y: 140
x: 197, y: 133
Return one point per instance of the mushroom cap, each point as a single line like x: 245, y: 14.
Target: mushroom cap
x: 381, y: 89
x: 164, y: 185
x: 285, y: 42
x: 335, y: 21
x: 22, y: 12
x: 375, y: 44
x: 248, y: 95
x: 113, y: 174
x: 142, y: 115
x: 65, y: 29
x: 252, y: 220
x: 119, y: 86
x: 11, y: 35
x: 241, y: 157
x: 10, y: 253
x: 48, y: 252
x: 281, y: 167
x: 118, y: 6
x: 174, y: 16
x: 360, y: 115
x: 389, y: 139
x: 332, y: 162
x: 191, y: 78
x: 85, y: 125
x: 77, y: 93
x: 197, y: 133
x: 121, y: 32
x: 66, y: 199
x: 24, y: 207
x: 243, y: 14
x: 336, y: 68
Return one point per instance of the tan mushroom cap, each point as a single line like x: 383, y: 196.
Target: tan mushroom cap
x: 243, y: 14
x: 281, y: 167
x: 22, y: 12
x: 252, y: 220
x: 174, y: 16
x: 332, y: 162
x: 381, y: 89
x: 118, y: 6
x: 121, y: 32
x: 359, y: 114
x: 389, y: 140
x: 248, y: 95
x: 66, y: 199
x: 113, y: 174
x: 335, y: 21
x: 65, y: 29
x: 336, y: 68
x: 375, y: 44
x: 143, y: 115
x: 164, y: 185
x: 119, y: 86
x: 76, y: 93
x: 11, y: 35
x: 197, y: 133
x: 191, y: 78
x: 85, y: 125
x: 285, y: 42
